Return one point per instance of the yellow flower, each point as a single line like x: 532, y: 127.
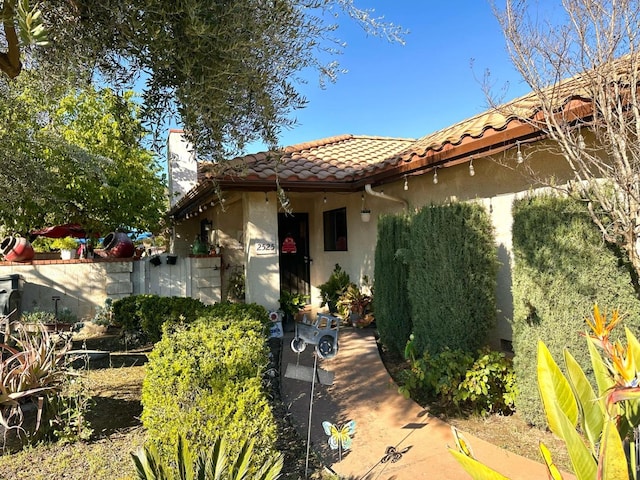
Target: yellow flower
x: 600, y: 328
x: 624, y: 366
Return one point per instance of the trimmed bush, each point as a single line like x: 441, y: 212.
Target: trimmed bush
x: 561, y: 268
x: 147, y: 313
x: 204, y: 381
x: 452, y: 277
x: 391, y: 301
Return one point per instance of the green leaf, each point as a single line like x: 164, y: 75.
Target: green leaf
x: 603, y: 378
x: 633, y: 346
x: 477, y: 470
x: 552, y: 470
x: 591, y: 410
x: 555, y: 392
x: 584, y: 464
x: 612, y: 464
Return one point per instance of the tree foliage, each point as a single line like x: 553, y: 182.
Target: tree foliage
x: 583, y: 67
x: 75, y: 155
x: 228, y: 70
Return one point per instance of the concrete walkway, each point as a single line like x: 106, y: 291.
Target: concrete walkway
x: 363, y: 391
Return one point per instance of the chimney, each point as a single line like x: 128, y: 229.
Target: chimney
x: 182, y: 166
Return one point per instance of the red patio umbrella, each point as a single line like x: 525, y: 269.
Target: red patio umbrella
x: 59, y: 231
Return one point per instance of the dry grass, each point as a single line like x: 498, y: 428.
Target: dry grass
x: 115, y: 419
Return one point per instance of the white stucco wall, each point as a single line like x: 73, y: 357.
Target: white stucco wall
x: 262, y: 279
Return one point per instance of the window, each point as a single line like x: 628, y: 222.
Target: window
x: 335, y: 230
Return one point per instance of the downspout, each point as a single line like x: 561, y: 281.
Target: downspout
x: 370, y: 191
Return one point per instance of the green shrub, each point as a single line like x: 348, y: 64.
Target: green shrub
x: 452, y: 277
x: 561, y: 266
x: 484, y: 383
x: 391, y: 301
x: 148, y: 313
x: 204, y: 381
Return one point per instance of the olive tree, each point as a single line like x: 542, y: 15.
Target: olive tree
x: 226, y: 70
x: 582, y: 64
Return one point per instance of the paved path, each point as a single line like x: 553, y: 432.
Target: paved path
x: 363, y: 391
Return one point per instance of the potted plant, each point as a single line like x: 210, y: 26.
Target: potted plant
x: 67, y: 247
x: 331, y: 290
x: 291, y: 304
x: 355, y: 306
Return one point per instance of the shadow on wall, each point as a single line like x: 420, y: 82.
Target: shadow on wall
x: 502, y: 335
x: 43, y: 298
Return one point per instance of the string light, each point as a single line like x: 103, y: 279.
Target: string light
x: 581, y: 144
x: 519, y: 157
x: 435, y: 176
x: 472, y: 171
x: 406, y: 183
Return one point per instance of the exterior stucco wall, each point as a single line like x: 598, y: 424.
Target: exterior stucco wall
x: 494, y: 185
x: 262, y: 279
x: 81, y: 286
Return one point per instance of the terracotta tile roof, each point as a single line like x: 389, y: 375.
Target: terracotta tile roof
x: 350, y: 161
x: 343, y: 159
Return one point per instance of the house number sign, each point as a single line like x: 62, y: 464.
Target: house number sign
x: 265, y: 248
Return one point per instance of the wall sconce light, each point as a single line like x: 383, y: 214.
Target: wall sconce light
x: 581, y: 144
x: 266, y: 198
x: 435, y: 176
x: 472, y: 171
x: 365, y: 213
x: 406, y: 183
x: 519, y: 157
x: 324, y: 199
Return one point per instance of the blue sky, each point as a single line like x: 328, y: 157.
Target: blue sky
x: 414, y: 89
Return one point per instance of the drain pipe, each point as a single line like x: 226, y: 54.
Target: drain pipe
x: 370, y: 191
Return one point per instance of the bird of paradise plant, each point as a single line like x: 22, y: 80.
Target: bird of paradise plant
x: 609, y: 420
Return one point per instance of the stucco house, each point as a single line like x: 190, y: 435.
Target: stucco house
x: 286, y: 218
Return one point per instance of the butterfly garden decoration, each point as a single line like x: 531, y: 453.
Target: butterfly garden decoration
x: 393, y: 455
x: 339, y: 437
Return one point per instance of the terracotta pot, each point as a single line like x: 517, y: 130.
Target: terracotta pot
x: 118, y: 245
x: 16, y: 249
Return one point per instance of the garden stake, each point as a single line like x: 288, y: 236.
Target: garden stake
x: 313, y: 384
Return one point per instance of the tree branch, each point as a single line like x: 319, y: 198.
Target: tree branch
x: 10, y: 60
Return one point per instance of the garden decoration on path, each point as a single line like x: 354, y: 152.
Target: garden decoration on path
x: 323, y: 333
x: 339, y: 437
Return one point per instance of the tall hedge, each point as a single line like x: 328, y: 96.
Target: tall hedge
x: 205, y: 380
x: 452, y: 277
x: 562, y: 267
x: 391, y: 299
